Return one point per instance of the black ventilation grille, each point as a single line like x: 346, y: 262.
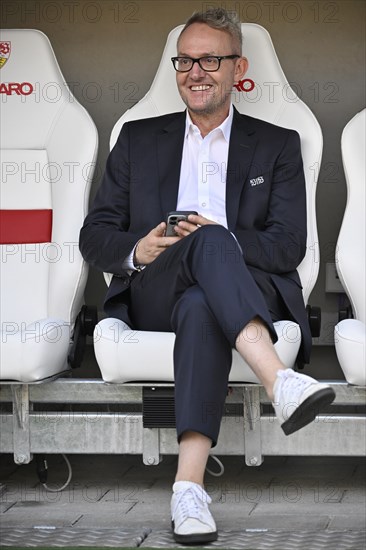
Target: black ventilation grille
x: 158, y: 408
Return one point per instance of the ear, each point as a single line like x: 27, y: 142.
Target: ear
x: 241, y: 67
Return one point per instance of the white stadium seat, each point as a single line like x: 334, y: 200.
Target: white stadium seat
x: 350, y: 334
x: 264, y: 93
x: 48, y: 151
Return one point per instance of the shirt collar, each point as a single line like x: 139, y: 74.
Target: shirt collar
x: 225, y: 126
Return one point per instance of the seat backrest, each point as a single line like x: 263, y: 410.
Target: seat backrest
x: 351, y: 245
x: 48, y: 152
x: 264, y: 93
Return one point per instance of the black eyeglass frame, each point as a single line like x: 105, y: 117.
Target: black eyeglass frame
x: 198, y: 59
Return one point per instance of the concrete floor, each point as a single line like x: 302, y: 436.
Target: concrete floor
x: 321, y: 499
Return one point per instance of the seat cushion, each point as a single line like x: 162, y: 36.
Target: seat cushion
x: 126, y: 355
x: 31, y: 352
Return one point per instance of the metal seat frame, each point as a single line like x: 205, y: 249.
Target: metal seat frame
x: 75, y: 416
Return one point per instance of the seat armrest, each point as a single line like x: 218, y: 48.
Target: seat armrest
x: 84, y: 326
x: 315, y: 319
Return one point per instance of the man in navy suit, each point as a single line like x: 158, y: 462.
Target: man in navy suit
x: 229, y: 271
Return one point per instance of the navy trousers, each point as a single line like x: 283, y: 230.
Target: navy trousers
x: 201, y: 289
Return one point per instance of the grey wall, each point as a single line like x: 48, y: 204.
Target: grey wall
x: 109, y: 50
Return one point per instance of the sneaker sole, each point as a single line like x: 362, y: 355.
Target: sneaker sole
x: 308, y: 410
x: 195, y: 537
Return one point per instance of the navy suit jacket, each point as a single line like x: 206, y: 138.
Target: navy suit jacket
x: 265, y: 204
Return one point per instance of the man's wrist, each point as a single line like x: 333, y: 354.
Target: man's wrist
x: 138, y: 266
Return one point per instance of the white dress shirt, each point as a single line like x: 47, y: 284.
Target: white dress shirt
x: 202, y: 182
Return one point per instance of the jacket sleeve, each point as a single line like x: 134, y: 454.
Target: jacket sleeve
x: 104, y: 238
x: 279, y: 245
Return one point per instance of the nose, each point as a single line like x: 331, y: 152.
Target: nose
x: 196, y: 71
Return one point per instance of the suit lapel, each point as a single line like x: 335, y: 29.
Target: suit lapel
x: 241, y: 149
x: 169, y: 150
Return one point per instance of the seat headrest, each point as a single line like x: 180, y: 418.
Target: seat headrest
x: 48, y: 152
x: 353, y: 152
x: 351, y: 245
x: 32, y: 87
x: 264, y: 92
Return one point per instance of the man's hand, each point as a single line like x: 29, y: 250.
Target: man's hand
x: 153, y: 244
x: 194, y: 222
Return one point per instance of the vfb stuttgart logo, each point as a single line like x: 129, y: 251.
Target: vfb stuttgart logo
x: 5, y: 48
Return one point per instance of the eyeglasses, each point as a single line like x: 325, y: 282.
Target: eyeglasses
x: 208, y: 63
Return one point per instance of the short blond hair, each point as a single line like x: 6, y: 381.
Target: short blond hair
x: 220, y: 19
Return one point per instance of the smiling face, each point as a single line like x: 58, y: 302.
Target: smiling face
x: 207, y: 94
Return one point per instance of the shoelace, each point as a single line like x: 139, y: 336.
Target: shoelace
x: 192, y: 503
x: 293, y: 382
x: 291, y: 392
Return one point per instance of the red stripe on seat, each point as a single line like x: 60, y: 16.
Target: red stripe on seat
x: 25, y: 226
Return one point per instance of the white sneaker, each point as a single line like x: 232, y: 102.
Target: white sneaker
x: 192, y: 521
x: 298, y: 399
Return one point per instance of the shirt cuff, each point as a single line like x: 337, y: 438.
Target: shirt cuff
x: 128, y: 264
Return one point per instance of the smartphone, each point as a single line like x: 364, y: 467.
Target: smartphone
x: 173, y: 218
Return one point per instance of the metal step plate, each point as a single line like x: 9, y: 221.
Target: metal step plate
x: 270, y: 540
x: 63, y: 537
x: 145, y: 538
